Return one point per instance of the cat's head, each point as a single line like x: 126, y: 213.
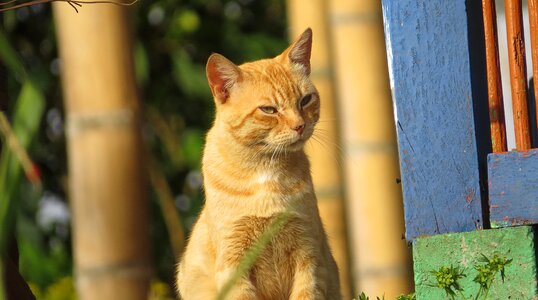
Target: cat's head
x: 267, y: 104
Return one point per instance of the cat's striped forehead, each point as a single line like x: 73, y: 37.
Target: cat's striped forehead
x: 278, y: 82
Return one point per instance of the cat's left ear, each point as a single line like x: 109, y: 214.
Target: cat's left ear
x: 222, y: 75
x: 298, y: 54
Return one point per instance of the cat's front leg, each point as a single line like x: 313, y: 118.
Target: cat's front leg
x: 241, y: 289
x: 309, y: 280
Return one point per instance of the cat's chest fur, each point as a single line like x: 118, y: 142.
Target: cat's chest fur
x: 236, y: 189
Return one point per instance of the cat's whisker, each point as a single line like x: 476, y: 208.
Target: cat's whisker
x: 323, y: 144
x: 281, y: 149
x: 343, y: 152
x: 326, y: 120
x: 326, y: 144
x: 260, y: 153
x: 274, y: 156
x: 324, y: 134
x: 329, y: 143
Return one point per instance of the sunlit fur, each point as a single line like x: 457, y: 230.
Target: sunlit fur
x: 254, y: 167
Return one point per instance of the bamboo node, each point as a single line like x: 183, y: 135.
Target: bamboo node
x: 123, y: 269
x: 80, y: 122
x: 383, y: 271
x: 323, y: 193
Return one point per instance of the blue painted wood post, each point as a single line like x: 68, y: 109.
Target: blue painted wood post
x: 428, y: 52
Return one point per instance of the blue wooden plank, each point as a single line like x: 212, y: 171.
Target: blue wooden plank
x: 428, y: 53
x: 513, y: 188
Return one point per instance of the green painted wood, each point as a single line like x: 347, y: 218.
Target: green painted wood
x: 513, y: 188
x: 465, y: 249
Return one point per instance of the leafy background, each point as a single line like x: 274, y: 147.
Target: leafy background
x: 172, y: 42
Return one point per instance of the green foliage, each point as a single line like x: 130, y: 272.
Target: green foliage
x: 448, y: 278
x: 17, y: 137
x: 31, y: 94
x: 160, y: 291
x: 62, y: 289
x: 487, y: 271
x: 27, y: 115
x: 407, y: 297
x: 363, y: 296
x: 44, y: 267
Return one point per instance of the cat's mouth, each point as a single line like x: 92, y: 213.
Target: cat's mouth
x: 299, y: 141
x: 290, y: 143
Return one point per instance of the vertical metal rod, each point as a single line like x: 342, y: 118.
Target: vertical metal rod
x: 533, y: 19
x: 495, y: 93
x: 518, y: 73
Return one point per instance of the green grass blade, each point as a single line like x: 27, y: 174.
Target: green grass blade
x: 252, y: 254
x: 27, y: 117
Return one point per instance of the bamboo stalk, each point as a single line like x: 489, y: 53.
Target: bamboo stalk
x: 324, y: 152
x: 495, y: 93
x: 106, y: 177
x: 374, y: 204
x: 533, y: 20
x: 518, y: 73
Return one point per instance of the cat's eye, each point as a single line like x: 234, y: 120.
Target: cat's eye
x: 306, y: 100
x: 268, y: 109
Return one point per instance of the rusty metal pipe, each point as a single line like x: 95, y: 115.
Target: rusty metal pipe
x: 495, y: 93
x: 518, y: 73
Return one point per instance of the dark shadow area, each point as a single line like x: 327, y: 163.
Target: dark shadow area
x: 477, y: 61
x: 535, y: 230
x: 531, y: 103
x: 16, y: 286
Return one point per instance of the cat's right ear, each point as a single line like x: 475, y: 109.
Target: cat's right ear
x: 299, y: 52
x: 221, y: 74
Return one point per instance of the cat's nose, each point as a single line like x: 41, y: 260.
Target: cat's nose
x: 299, y: 129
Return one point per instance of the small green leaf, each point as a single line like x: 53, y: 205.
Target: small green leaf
x: 448, y: 279
x: 483, y: 258
x: 407, y: 297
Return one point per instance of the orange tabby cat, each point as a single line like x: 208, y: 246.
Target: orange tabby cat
x: 254, y: 168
